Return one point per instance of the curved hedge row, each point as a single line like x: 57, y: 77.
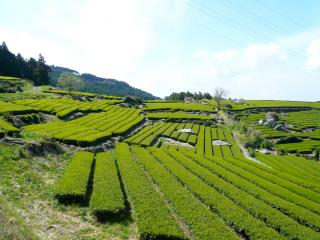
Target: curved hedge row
x: 231, y: 213
x: 273, y: 218
x: 302, y: 215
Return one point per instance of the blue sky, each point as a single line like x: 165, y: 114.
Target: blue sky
x: 255, y: 49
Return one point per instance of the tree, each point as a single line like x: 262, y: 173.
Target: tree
x: 41, y: 72
x: 16, y: 66
x: 8, y: 62
x: 70, y: 82
x: 181, y: 96
x: 219, y: 94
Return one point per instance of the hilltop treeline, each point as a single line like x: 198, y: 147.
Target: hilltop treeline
x: 183, y: 95
x: 41, y: 74
x: 16, y: 66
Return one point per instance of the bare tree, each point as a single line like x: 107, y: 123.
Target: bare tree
x: 219, y: 94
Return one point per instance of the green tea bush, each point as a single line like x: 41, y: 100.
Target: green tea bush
x: 73, y: 185
x: 107, y: 197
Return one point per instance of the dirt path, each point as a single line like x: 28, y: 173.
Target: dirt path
x: 36, y: 90
x: 246, y: 153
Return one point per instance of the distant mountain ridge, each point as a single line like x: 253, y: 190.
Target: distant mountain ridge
x: 99, y: 85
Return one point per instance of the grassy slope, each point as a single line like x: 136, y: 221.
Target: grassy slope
x: 26, y: 189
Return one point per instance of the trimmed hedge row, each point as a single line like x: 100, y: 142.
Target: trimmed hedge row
x: 149, y: 210
x: 269, y: 186
x: 273, y: 218
x: 200, y: 147
x: 203, y: 223
x: 169, y: 131
x: 284, y: 175
x: 192, y: 139
x: 177, y: 115
x: 296, y: 166
x: 294, y: 188
x: 107, y: 195
x: 231, y: 213
x: 180, y: 106
x: 145, y: 133
x: 73, y: 184
x: 62, y: 107
x: 220, y: 168
x: 151, y: 138
x: 97, y: 126
x: 6, y: 126
x: 8, y: 107
x: 226, y: 151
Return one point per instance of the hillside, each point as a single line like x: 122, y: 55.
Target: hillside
x: 101, y: 169
x: 100, y: 85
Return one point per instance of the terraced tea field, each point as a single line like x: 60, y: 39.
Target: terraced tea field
x: 304, y: 125
x: 92, y: 128
x: 173, y: 171
x: 244, y: 198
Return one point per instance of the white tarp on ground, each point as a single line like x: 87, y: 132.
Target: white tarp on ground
x: 185, y: 130
x: 171, y: 141
x: 220, y: 143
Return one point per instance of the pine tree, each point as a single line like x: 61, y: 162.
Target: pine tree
x: 41, y: 72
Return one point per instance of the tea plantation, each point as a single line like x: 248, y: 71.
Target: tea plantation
x: 95, y: 167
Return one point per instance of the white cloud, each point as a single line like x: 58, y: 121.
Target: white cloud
x: 104, y: 37
x: 114, y: 38
x: 259, y: 71
x: 225, y: 55
x: 107, y: 38
x: 201, y: 53
x: 256, y: 54
x: 313, y: 51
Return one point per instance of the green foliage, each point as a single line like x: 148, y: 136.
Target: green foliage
x: 11, y: 84
x: 270, y: 184
x: 289, y: 227
x: 296, y: 166
x: 70, y: 82
x: 63, y: 107
x: 177, y: 115
x: 102, y: 86
x: 303, y: 119
x: 92, y: 128
x: 147, y: 135
x: 208, y: 142
x: 203, y: 223
x: 182, y: 95
x: 150, y: 212
x: 132, y: 100
x: 6, y: 126
x: 221, y: 168
x: 200, y: 146
x: 306, y: 146
x: 12, y: 225
x: 180, y: 106
x: 263, y: 211
x: 73, y: 184
x: 289, y: 139
x: 254, y: 139
x: 83, y: 94
x: 16, y: 66
x: 107, y: 195
x: 8, y: 107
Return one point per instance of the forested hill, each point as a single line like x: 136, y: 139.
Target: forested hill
x: 39, y: 73
x: 94, y: 84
